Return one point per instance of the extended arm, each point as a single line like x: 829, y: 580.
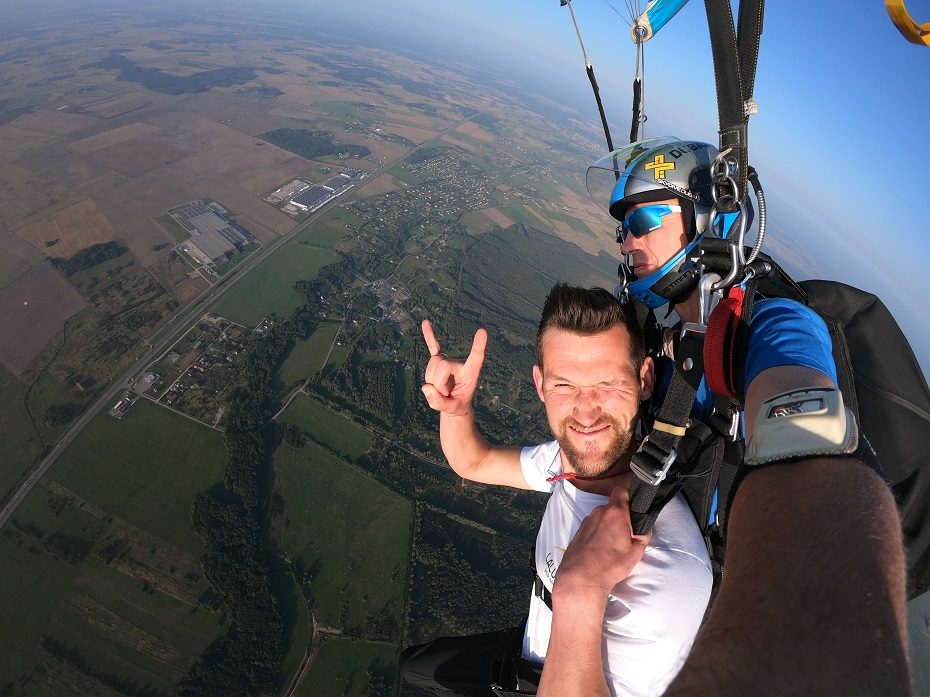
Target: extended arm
x: 813, y: 598
x: 602, y: 553
x: 449, y: 388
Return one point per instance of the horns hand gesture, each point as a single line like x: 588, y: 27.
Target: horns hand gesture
x: 450, y: 384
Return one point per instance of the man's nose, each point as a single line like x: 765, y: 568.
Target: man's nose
x: 587, y: 406
x: 629, y: 244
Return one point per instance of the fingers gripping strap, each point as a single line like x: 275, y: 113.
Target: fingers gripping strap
x: 811, y: 422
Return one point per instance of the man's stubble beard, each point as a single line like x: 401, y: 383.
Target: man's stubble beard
x: 594, y: 460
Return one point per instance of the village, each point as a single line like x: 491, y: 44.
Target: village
x: 196, y: 375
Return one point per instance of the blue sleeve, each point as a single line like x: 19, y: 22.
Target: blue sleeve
x: 784, y: 332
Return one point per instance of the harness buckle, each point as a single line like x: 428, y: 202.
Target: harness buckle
x: 653, y: 477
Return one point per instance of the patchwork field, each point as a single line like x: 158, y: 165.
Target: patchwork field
x: 104, y: 605
x: 348, y: 537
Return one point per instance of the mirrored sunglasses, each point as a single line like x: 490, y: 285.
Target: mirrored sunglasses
x: 642, y: 221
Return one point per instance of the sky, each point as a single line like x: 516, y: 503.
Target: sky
x: 840, y: 141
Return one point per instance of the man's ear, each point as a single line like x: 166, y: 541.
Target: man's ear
x: 647, y: 378
x: 538, y: 379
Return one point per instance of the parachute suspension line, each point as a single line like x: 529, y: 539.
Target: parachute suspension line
x: 639, y: 101
x: 584, y: 54
x: 590, y: 71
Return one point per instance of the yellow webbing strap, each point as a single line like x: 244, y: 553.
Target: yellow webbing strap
x: 913, y: 32
x: 669, y: 428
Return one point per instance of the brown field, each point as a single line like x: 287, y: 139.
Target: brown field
x: 75, y: 228
x: 28, y: 327
x: 35, y: 130
x: 85, y: 146
x: 417, y: 135
x: 16, y: 259
x: 112, y: 108
x: 497, y: 217
x: 138, y: 156
x: 464, y: 144
x: 62, y: 166
x: 221, y: 151
x: 381, y: 185
x: 591, y: 245
x: 264, y: 221
x: 23, y: 193
x: 477, y: 132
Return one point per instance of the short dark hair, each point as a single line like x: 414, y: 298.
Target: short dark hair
x: 588, y: 311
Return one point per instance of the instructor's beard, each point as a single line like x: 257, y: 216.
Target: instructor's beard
x: 594, y: 460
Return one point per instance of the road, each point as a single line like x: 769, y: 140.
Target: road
x: 168, y: 334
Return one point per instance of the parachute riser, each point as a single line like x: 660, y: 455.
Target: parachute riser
x: 725, y: 192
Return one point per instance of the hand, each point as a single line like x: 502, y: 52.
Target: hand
x: 603, y: 552
x: 450, y: 385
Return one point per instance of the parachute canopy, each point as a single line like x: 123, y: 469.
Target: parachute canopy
x: 913, y: 32
x: 654, y: 17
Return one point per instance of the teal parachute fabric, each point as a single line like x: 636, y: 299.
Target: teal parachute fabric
x: 653, y: 18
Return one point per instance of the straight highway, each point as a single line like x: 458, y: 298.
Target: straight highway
x: 167, y: 335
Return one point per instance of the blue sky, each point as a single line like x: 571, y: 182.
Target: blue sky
x: 840, y: 142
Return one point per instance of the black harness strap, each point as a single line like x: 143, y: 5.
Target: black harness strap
x: 541, y: 592
x: 735, y: 58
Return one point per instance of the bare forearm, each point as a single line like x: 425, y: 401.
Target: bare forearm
x: 574, y: 664
x: 813, y: 596
x: 462, y: 443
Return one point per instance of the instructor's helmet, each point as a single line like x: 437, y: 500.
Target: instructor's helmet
x: 658, y: 169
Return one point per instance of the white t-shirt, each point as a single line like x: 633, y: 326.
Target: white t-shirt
x: 653, y: 616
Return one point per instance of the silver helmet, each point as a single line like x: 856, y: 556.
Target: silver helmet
x: 658, y: 169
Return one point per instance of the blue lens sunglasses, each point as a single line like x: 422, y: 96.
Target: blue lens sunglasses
x: 642, y: 221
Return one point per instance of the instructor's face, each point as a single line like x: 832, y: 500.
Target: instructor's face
x: 592, y: 395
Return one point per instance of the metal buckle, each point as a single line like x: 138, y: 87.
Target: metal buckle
x: 656, y: 477
x: 734, y: 427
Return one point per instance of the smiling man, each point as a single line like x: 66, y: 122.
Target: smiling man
x: 591, y: 374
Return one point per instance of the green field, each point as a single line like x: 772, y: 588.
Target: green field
x: 21, y: 444
x: 475, y: 222
x: 344, y: 668
x: 340, y: 108
x: 328, y: 428
x: 145, y: 468
x: 519, y: 214
x: 341, y: 216
x: 322, y: 235
x: 352, y: 533
x: 307, y: 356
x: 34, y: 582
x: 270, y: 287
x: 337, y: 358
